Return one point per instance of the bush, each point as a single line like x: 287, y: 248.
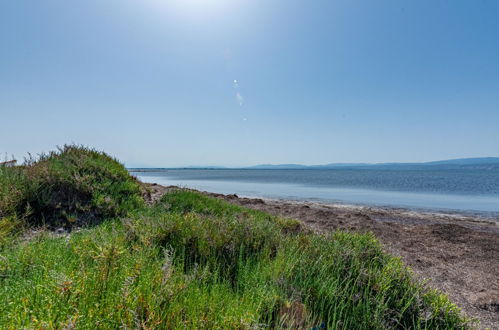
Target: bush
x: 71, y: 186
x: 205, y: 231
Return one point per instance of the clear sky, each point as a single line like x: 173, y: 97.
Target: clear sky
x: 242, y: 82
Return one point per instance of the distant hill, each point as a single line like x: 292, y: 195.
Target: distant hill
x: 280, y: 166
x: 469, y: 163
x: 488, y: 163
x: 159, y: 169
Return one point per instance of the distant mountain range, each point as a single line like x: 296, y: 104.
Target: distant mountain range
x: 477, y: 163
x: 488, y: 163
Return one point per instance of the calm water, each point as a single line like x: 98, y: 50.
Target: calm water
x: 459, y: 190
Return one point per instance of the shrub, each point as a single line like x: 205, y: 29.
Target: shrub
x: 206, y: 231
x: 71, y: 186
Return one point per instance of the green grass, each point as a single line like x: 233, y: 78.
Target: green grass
x: 191, y: 261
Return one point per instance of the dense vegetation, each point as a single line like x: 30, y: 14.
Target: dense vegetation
x: 188, y: 261
x: 68, y: 187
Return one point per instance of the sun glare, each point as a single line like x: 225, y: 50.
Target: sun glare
x: 194, y: 7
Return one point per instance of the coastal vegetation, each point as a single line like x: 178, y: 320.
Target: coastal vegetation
x: 79, y: 248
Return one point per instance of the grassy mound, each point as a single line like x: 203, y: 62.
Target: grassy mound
x: 72, y: 186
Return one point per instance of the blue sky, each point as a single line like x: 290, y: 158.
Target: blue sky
x: 228, y: 82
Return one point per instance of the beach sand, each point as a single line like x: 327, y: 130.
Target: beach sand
x: 456, y: 254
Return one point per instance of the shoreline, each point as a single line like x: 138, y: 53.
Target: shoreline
x: 484, y: 207
x: 404, y: 214
x: 456, y: 254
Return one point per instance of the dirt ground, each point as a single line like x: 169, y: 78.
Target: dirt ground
x: 458, y: 255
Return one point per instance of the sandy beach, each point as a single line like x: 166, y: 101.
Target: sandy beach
x: 456, y: 254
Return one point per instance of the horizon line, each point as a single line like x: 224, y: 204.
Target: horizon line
x: 346, y: 164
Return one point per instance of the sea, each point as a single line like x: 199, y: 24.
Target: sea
x: 468, y: 191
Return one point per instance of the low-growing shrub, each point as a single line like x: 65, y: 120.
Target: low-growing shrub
x: 71, y: 186
x: 205, y: 231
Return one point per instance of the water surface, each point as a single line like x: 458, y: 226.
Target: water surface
x: 445, y: 190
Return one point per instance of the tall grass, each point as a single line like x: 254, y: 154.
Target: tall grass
x: 191, y: 261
